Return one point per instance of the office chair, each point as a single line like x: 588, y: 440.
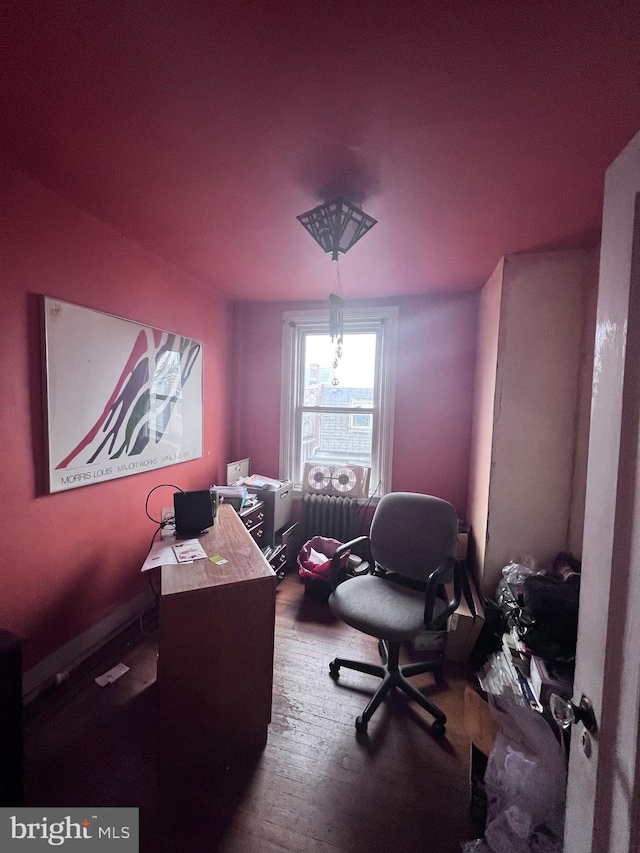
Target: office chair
x: 411, y: 547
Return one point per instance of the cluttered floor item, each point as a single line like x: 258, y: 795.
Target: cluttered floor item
x: 314, y: 789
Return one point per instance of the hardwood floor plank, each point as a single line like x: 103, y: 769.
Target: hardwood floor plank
x: 290, y: 840
x: 243, y: 842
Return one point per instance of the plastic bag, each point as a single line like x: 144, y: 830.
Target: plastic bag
x: 552, y: 607
x: 314, y: 559
x: 512, y: 608
x: 525, y: 781
x: 518, y: 570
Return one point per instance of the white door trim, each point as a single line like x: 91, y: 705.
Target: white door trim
x: 603, y: 796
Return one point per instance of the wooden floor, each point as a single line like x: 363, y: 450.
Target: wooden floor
x: 314, y: 789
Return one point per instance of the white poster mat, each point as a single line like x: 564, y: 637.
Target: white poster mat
x: 121, y: 397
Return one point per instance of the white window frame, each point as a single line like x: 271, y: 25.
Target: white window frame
x: 384, y: 321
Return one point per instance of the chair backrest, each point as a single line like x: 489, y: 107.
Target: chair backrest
x: 413, y: 534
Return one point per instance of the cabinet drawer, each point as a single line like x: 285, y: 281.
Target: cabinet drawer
x: 251, y: 518
x: 279, y: 559
x: 258, y: 533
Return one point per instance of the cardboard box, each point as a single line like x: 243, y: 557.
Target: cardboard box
x: 462, y: 547
x: 479, y: 723
x: 482, y: 728
x: 465, y: 624
x: 463, y: 541
x: 429, y: 641
x: 478, y: 802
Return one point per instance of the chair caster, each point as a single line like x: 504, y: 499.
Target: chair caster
x: 438, y: 729
x: 361, y: 726
x: 334, y: 670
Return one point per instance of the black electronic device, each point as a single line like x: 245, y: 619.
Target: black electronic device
x: 193, y: 512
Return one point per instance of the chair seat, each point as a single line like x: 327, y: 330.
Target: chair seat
x: 381, y: 608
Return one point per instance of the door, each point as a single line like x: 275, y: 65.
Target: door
x: 603, y: 796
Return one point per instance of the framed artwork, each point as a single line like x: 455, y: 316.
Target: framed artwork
x: 120, y: 397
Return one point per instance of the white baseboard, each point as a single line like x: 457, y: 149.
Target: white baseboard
x: 68, y: 657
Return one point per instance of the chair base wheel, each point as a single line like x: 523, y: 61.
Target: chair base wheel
x: 438, y: 675
x: 394, y: 677
x: 438, y: 729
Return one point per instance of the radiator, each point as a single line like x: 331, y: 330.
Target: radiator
x: 328, y: 515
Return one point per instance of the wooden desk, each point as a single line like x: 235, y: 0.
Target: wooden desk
x: 215, y: 667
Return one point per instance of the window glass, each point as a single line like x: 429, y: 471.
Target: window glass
x: 337, y: 401
x: 338, y: 377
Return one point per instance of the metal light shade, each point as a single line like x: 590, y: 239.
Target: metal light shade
x: 336, y: 225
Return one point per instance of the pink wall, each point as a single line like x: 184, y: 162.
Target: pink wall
x: 71, y: 558
x: 432, y: 430
x: 526, y: 424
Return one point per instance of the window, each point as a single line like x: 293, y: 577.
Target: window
x: 338, y: 411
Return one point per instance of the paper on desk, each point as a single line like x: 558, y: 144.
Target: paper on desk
x: 111, y: 675
x: 161, y: 554
x: 169, y: 552
x: 189, y: 550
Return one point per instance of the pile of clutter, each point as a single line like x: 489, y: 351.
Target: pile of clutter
x: 516, y: 744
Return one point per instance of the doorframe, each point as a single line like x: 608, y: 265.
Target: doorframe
x: 603, y: 792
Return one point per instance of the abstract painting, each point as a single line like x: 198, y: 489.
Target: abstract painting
x: 121, y: 397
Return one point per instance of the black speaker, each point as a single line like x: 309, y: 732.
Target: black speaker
x: 193, y: 512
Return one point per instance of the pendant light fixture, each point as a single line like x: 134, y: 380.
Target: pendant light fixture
x: 336, y: 226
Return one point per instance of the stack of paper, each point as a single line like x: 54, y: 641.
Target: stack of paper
x: 235, y: 495
x: 236, y: 491
x: 165, y: 553
x: 258, y: 482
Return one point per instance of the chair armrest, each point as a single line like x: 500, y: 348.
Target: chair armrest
x: 436, y: 578
x: 360, y: 543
